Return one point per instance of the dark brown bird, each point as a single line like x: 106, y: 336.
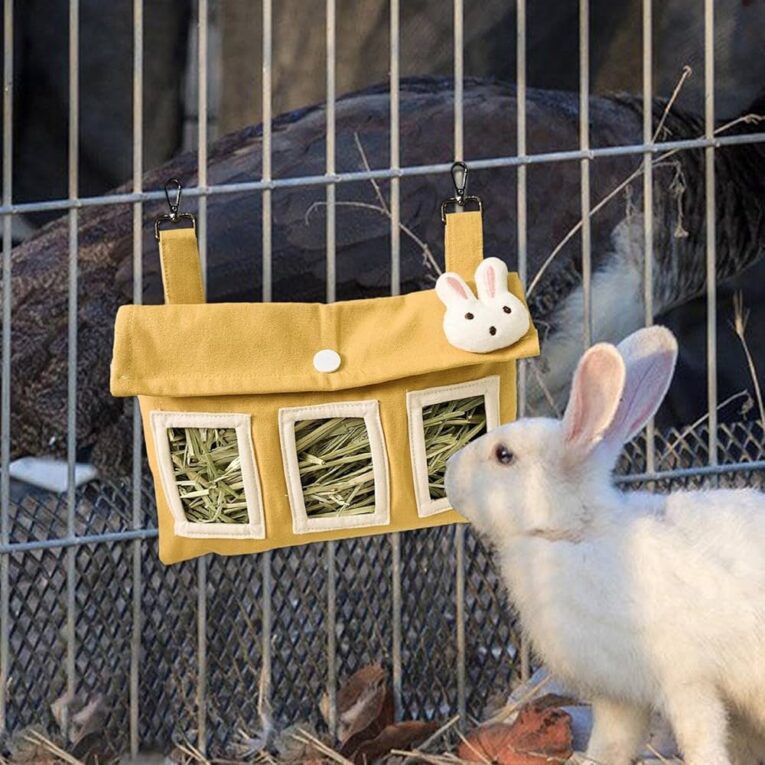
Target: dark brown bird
x: 363, y: 236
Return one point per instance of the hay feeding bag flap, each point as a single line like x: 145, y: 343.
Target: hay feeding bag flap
x: 307, y: 422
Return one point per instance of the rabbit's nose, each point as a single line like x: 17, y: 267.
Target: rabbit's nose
x: 492, y: 330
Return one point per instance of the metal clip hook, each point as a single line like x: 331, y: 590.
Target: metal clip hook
x: 459, y: 171
x: 173, y: 217
x: 174, y: 206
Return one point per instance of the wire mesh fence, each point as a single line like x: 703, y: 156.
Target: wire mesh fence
x: 234, y: 592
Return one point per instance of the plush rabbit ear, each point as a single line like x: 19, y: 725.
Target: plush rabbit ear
x: 649, y: 356
x: 491, y: 278
x: 452, y: 290
x: 595, y: 392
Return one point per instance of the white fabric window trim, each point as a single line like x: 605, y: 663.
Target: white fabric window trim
x: 161, y: 421
x: 416, y: 401
x: 370, y: 412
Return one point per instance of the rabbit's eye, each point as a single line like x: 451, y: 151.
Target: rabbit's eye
x: 503, y: 455
x: 507, y: 309
x: 469, y: 316
x: 492, y: 330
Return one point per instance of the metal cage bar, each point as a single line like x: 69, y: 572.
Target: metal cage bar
x: 266, y: 161
x: 711, y: 224
x: 137, y: 582
x: 521, y: 179
x: 151, y: 533
x: 648, y: 233
x: 584, y: 145
x: 202, y: 111
x: 5, y: 369
x: 395, y: 289
x: 330, y: 150
x: 459, y: 531
x: 552, y: 157
x: 331, y: 25
x: 267, y: 290
x: 71, y: 420
x: 522, y: 228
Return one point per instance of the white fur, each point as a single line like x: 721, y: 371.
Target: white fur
x: 482, y: 324
x: 638, y: 601
x: 616, y: 297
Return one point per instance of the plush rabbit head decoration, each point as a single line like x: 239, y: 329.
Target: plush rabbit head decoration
x: 493, y: 320
x: 637, y: 601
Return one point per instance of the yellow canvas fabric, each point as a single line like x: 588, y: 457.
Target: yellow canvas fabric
x: 257, y: 359
x: 463, y: 243
x: 181, y: 268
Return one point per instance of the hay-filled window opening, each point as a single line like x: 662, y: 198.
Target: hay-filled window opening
x: 448, y: 426
x: 209, y: 473
x: 335, y: 465
x: 442, y: 421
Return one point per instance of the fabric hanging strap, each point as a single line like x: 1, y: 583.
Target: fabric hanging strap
x: 463, y: 242
x: 181, y: 272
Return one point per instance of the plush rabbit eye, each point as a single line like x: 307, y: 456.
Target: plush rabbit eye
x: 503, y: 455
x: 507, y: 309
x: 469, y: 315
x: 492, y: 330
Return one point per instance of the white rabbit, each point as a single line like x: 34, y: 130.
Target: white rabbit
x: 494, y: 320
x: 637, y: 601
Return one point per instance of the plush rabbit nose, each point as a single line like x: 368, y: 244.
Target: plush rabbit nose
x: 492, y: 330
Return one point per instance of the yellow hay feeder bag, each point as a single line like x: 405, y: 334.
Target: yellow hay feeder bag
x: 309, y: 422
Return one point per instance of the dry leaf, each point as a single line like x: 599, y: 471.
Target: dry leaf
x: 361, y: 703
x: 540, y: 734
x: 402, y: 735
x: 385, y: 717
x: 85, y: 717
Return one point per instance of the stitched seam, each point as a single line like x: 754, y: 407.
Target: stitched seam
x: 172, y: 270
x: 456, y: 387
x: 189, y: 530
x: 170, y: 414
x: 294, y: 412
x: 369, y: 410
x: 161, y: 420
x: 246, y: 376
x: 170, y: 277
x: 167, y: 280
x: 291, y: 471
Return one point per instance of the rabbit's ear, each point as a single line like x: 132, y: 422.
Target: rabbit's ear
x: 491, y: 278
x: 595, y: 392
x: 649, y: 356
x: 452, y: 290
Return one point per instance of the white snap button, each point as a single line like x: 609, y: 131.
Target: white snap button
x: 326, y: 360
